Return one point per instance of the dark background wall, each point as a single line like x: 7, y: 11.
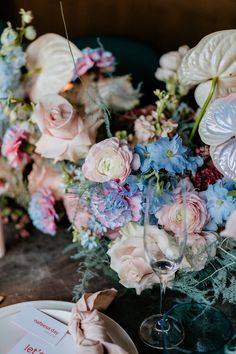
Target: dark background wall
x: 164, y: 23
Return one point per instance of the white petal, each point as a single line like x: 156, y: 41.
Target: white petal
x: 224, y: 158
x: 51, y: 54
x: 219, y: 122
x: 50, y: 147
x: 214, y: 55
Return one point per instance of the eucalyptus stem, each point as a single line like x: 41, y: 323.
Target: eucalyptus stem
x: 203, y: 109
x: 215, y: 272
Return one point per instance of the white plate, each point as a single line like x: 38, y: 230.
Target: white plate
x: 10, y: 334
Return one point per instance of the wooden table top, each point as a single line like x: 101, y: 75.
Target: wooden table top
x: 37, y: 269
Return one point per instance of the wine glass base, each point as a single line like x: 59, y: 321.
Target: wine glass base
x: 154, y: 335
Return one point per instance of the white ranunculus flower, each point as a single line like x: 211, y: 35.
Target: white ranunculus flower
x: 213, y: 57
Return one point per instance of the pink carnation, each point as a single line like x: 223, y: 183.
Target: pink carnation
x: 42, y: 211
x: 12, y: 147
x: 107, y: 160
x: 95, y: 58
x: 171, y: 216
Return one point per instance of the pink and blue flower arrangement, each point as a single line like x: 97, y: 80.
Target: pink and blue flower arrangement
x: 57, y: 146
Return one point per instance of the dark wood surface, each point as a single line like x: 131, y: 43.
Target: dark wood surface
x: 166, y: 24
x: 37, y: 269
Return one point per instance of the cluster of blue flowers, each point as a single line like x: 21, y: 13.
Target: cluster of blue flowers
x: 12, y: 58
x: 219, y: 203
x: 167, y: 154
x: 87, y: 241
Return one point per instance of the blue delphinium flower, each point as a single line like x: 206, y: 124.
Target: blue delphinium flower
x: 144, y: 156
x: 219, y: 203
x: 6, y: 77
x: 228, y: 184
x: 168, y: 154
x: 135, y: 183
x: 193, y: 162
x: 16, y: 59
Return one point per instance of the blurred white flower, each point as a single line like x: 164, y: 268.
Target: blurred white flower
x: 30, y: 33
x: 169, y: 63
x: 27, y: 16
x: 9, y: 36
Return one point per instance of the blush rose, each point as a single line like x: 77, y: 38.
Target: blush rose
x: 44, y: 176
x: 65, y: 135
x: 128, y: 259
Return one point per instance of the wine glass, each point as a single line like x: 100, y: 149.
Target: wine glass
x: 164, y: 251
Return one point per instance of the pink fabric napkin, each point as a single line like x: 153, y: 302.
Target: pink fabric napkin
x: 88, y: 328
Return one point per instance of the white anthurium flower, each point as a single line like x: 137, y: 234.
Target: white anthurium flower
x: 213, y: 57
x: 50, y: 58
x: 217, y: 129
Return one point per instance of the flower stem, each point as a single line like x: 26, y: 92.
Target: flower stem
x: 232, y: 193
x: 203, y: 109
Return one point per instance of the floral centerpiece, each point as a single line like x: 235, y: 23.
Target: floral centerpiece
x: 75, y: 135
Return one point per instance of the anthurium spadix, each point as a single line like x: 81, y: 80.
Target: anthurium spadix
x: 50, y: 61
x: 211, y: 66
x: 217, y: 129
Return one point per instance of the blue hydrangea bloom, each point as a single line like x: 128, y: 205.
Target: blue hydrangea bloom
x: 219, y: 203
x: 145, y: 160
x: 115, y: 205
x: 168, y: 154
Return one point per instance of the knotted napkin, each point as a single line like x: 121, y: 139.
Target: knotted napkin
x: 87, y: 326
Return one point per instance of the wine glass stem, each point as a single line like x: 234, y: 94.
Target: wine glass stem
x: 162, y: 294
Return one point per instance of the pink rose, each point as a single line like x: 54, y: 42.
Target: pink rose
x: 172, y: 216
x: 107, y: 160
x: 65, y: 135
x: 46, y: 177
x: 230, y: 226
x: 128, y: 258
x: 78, y: 214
